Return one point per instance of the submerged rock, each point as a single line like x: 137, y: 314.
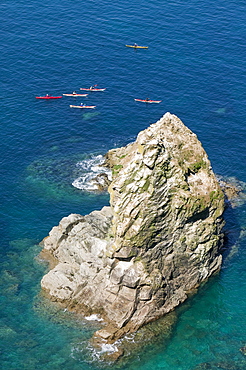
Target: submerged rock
x: 234, y: 191
x: 222, y: 365
x: 243, y: 350
x: 138, y: 259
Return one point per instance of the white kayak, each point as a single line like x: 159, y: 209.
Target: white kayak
x: 83, y: 106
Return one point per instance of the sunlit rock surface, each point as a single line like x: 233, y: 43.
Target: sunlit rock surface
x: 160, y: 238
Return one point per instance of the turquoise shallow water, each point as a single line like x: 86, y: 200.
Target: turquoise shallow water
x: 196, y: 65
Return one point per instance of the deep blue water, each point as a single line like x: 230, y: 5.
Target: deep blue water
x: 196, y: 65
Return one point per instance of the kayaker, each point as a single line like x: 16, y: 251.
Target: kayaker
x: 74, y: 93
x: 135, y: 44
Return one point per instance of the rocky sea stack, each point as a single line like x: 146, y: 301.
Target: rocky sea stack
x: 138, y: 259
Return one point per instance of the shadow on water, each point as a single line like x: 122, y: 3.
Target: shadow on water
x: 234, y: 229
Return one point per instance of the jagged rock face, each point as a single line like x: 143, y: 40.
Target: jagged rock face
x: 160, y: 238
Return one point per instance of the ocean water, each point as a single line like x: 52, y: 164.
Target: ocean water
x: 196, y: 65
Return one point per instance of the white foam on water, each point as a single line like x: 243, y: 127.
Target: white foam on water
x: 93, y: 318
x: 86, y: 350
x: 96, y: 353
x: 90, y: 354
x: 109, y: 348
x: 130, y: 337
x: 90, y: 168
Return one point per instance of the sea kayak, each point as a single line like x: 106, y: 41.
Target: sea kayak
x: 148, y: 101
x: 137, y: 47
x: 83, y: 106
x: 91, y: 89
x: 48, y: 97
x: 75, y: 95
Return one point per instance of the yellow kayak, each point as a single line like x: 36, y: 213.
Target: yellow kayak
x: 137, y: 47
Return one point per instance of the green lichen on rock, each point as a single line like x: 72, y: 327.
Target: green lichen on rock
x: 195, y: 167
x: 116, y: 168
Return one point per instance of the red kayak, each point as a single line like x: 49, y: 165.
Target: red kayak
x: 148, y: 101
x: 48, y: 97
